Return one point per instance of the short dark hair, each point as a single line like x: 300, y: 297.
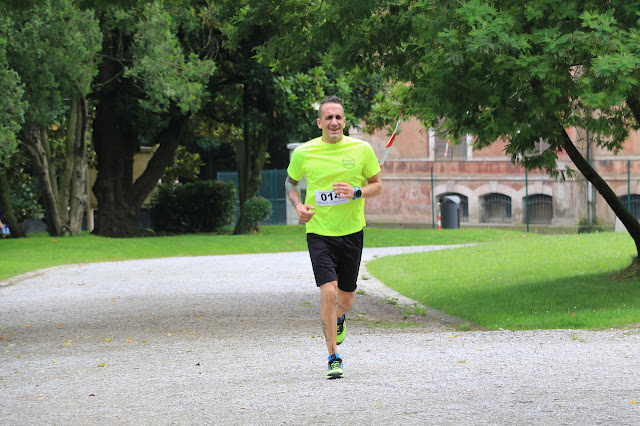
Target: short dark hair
x: 333, y: 99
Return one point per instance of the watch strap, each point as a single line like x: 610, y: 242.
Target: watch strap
x: 356, y: 190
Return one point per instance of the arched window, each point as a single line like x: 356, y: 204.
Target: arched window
x: 635, y: 204
x: 464, y: 205
x: 496, y: 208
x: 540, y: 209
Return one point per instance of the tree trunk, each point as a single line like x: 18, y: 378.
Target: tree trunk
x: 119, y: 198
x: 253, y: 148
x: 250, y: 158
x: 9, y: 217
x: 116, y: 139
x: 77, y: 155
x: 37, y: 143
x: 114, y: 150
x: 64, y: 199
x: 604, y: 189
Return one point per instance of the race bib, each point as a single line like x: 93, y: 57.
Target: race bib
x: 329, y: 198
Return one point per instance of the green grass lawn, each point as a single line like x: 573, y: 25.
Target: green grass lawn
x: 535, y: 282
x: 515, y: 281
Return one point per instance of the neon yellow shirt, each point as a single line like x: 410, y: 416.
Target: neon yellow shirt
x: 351, y: 161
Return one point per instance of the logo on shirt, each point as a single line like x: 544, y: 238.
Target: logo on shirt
x: 348, y: 162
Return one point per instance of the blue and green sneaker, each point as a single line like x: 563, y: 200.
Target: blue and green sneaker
x: 335, y: 367
x: 342, y: 330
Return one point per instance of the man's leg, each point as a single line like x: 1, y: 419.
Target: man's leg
x: 328, y: 308
x: 344, y: 302
x: 335, y: 303
x: 347, y: 268
x: 329, y: 295
x: 344, y: 305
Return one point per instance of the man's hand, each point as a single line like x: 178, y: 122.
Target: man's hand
x: 305, y: 212
x: 373, y: 188
x: 343, y: 190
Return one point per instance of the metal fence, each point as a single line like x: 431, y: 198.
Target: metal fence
x: 272, y: 189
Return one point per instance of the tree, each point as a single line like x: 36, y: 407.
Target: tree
x: 245, y: 93
x: 156, y: 71
x: 53, y: 48
x: 510, y: 70
x: 263, y: 105
x: 149, y: 84
x: 11, y: 117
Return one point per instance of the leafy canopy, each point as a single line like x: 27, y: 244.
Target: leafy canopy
x: 54, y: 50
x: 159, y: 63
x: 520, y: 71
x: 12, y: 106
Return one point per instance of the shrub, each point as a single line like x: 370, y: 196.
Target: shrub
x: 203, y: 206
x: 584, y: 227
x: 256, y: 210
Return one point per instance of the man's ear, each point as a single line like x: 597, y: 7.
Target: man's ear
x: 318, y: 122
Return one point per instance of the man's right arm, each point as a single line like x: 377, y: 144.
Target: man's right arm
x: 294, y: 195
x: 293, y: 191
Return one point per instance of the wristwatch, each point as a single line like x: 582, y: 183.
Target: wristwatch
x: 356, y: 193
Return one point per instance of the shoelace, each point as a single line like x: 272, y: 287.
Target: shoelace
x: 336, y: 364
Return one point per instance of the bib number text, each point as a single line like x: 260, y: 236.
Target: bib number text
x: 329, y: 198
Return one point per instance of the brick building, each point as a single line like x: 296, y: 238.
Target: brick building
x: 421, y: 170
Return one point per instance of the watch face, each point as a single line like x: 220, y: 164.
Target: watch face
x: 359, y: 193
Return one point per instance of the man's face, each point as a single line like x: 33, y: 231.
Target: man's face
x: 332, y: 122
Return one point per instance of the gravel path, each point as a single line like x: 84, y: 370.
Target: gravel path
x: 236, y: 340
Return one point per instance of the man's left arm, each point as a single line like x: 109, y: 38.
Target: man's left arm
x: 373, y: 188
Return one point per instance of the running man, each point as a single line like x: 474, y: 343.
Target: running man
x: 341, y: 172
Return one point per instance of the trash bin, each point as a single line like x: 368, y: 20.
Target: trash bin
x: 450, y: 212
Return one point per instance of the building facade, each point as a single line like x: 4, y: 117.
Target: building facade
x: 422, y: 171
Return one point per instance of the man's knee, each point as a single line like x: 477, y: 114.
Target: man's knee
x: 329, y: 292
x: 346, y: 299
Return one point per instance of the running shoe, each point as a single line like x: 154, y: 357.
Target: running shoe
x: 342, y: 330
x: 335, y: 367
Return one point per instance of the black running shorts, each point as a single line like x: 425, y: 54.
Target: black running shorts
x: 336, y: 259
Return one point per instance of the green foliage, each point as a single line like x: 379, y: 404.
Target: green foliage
x: 12, y: 106
x: 23, y: 189
x: 24, y: 199
x: 596, y: 226
x: 186, y: 166
x: 364, y: 96
x: 516, y: 71
x: 157, y: 74
x: 157, y: 60
x: 53, y: 47
x: 256, y: 210
x: 160, y: 65
x: 263, y: 108
x: 18, y: 4
x: 204, y: 206
x: 307, y: 75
